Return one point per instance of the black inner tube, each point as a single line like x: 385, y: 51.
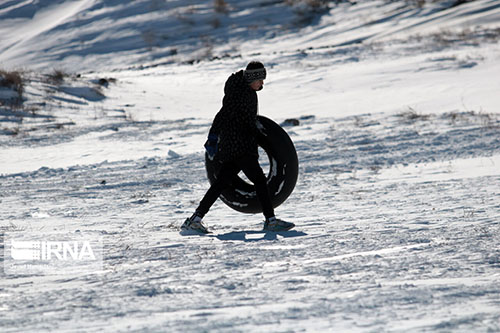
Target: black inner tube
x: 281, y: 178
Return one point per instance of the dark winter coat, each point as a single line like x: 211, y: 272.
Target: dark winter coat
x: 235, y: 123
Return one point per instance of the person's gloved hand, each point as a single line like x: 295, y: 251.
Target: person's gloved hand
x: 211, y: 145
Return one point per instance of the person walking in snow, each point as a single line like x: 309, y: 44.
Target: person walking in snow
x: 232, y: 142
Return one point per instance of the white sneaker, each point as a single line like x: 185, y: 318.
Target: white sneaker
x: 276, y: 225
x: 195, y: 224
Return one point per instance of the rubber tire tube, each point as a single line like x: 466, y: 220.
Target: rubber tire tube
x: 282, y: 176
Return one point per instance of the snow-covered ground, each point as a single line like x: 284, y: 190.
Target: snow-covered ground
x: 397, y: 204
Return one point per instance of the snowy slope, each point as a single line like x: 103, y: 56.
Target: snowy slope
x: 397, y: 203
x: 409, y: 247
x: 95, y: 35
x: 78, y: 35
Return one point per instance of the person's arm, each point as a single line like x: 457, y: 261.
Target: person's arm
x: 249, y: 117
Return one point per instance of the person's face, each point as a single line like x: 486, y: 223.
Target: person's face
x: 257, y: 85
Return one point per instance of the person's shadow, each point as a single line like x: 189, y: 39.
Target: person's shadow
x: 253, y: 236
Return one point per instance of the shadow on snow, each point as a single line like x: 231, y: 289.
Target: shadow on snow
x: 265, y: 235
x: 247, y: 235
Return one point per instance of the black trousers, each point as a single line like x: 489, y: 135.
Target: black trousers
x: 229, y: 170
